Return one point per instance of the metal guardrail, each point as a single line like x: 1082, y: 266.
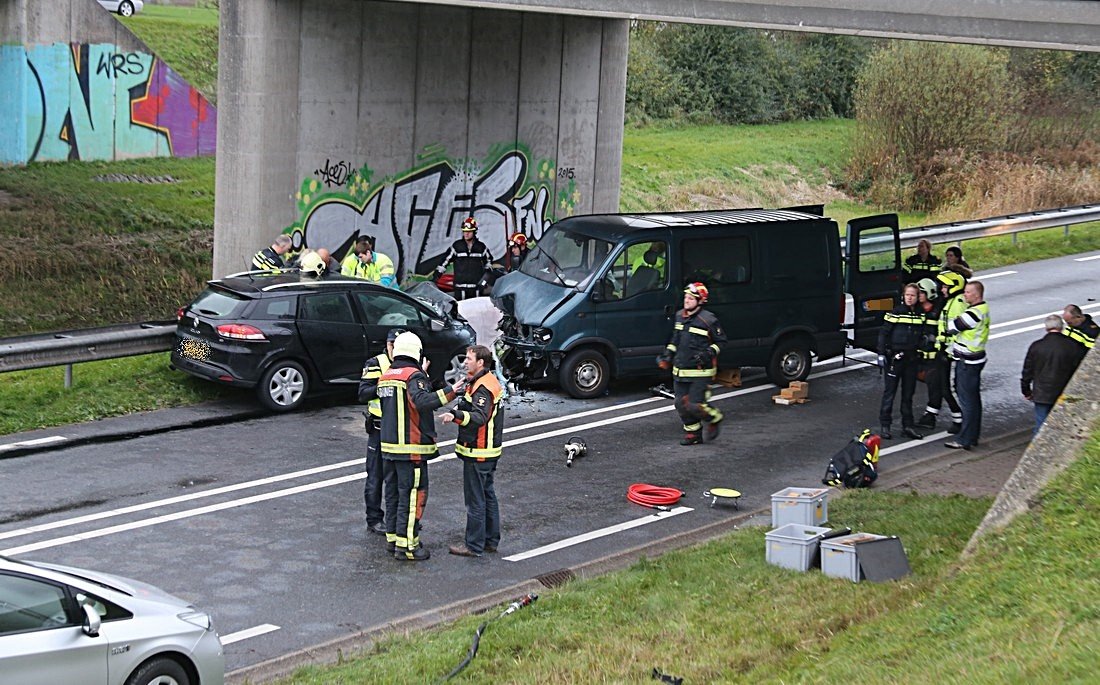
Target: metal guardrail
x: 110, y: 342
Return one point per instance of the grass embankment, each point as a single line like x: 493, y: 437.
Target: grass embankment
x: 1026, y: 608
x: 186, y: 38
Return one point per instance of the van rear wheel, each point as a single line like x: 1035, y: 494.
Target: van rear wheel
x: 585, y: 374
x: 790, y: 361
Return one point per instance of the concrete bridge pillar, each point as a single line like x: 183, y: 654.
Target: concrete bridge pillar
x: 398, y: 120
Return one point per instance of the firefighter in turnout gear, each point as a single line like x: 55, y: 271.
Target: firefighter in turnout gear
x: 692, y: 354
x: 408, y: 442
x: 899, y: 342
x: 376, y: 471
x: 480, y: 435
x: 471, y: 259
x: 939, y: 379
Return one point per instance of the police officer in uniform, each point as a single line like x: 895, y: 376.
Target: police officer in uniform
x: 899, y: 341
x: 971, y: 331
x: 1080, y: 327
x: 951, y: 305
x: 922, y: 264
x: 480, y: 435
x: 471, y: 259
x: 272, y: 258
x: 368, y: 392
x: 408, y: 442
x: 692, y: 354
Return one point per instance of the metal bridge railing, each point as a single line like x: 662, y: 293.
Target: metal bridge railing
x: 110, y: 342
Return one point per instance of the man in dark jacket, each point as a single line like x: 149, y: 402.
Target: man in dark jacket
x: 480, y: 435
x: 899, y: 339
x: 408, y: 441
x: 1048, y: 366
x: 1080, y: 327
x: 368, y: 392
x: 692, y: 354
x: 273, y: 258
x: 471, y: 259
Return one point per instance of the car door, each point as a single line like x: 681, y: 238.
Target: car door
x: 872, y: 274
x: 633, y: 303
x: 332, y: 335
x: 41, y: 640
x: 383, y: 311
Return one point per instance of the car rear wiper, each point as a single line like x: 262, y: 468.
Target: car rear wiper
x: 208, y: 312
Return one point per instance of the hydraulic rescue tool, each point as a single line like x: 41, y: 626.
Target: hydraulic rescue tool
x: 576, y: 447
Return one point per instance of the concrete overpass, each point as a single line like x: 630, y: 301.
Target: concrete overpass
x: 397, y: 119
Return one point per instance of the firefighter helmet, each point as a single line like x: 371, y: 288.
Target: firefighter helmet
x: 928, y: 287
x: 952, y: 280
x: 698, y: 291
x: 469, y: 224
x: 408, y: 345
x: 518, y: 239
x: 311, y: 264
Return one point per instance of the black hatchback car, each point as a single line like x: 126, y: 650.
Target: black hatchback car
x: 285, y: 334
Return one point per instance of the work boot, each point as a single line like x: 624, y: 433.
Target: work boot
x: 462, y: 551
x: 885, y: 434
x: 691, y: 439
x: 711, y: 431
x: 391, y: 547
x: 418, y: 553
x: 909, y: 432
x: 955, y: 427
x: 378, y: 527
x: 927, y: 421
x: 490, y: 549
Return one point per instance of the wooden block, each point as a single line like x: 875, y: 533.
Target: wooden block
x: 787, y: 393
x: 800, y: 385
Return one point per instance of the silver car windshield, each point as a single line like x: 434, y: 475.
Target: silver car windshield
x: 566, y: 258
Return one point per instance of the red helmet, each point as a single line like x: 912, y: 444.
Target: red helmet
x: 518, y: 239
x: 698, y: 291
x: 469, y: 224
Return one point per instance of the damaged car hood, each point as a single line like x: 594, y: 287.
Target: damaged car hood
x: 529, y: 300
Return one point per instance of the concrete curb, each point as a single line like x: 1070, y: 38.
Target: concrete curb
x: 338, y: 649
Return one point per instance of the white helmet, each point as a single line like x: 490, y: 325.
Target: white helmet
x: 311, y: 264
x: 407, y: 345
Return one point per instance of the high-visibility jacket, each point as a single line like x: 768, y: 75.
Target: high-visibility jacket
x: 368, y: 383
x: 972, y: 333
x: 268, y: 259
x: 480, y: 421
x: 1085, y: 334
x: 954, y: 306
x: 902, y: 330
x: 696, y: 341
x: 408, y: 426
x: 380, y: 270
x: 915, y: 269
x: 471, y: 262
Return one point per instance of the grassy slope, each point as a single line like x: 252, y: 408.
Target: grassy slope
x: 1026, y: 609
x: 184, y: 37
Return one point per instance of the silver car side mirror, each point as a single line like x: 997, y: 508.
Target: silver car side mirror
x: 91, y: 621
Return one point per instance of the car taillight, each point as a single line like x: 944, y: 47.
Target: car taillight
x: 240, y: 331
x: 179, y: 313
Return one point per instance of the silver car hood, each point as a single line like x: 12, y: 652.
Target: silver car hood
x: 129, y: 586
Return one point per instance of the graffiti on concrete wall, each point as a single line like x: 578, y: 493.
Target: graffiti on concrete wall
x: 95, y: 102
x: 416, y: 215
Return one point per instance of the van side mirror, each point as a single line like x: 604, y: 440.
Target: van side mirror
x: 596, y: 296
x: 435, y: 325
x: 91, y: 621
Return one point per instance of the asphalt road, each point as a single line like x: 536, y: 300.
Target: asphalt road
x: 260, y: 521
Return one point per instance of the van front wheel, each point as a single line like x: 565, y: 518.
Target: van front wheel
x: 790, y: 361
x: 585, y: 374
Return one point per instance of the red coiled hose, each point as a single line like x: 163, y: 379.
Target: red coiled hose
x: 653, y: 496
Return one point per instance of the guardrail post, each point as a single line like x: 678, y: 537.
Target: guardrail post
x: 1065, y: 230
x: 68, y: 376
x: 1013, y: 240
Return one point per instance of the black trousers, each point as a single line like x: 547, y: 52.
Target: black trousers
x: 938, y: 377
x: 692, y: 397
x: 465, y: 292
x: 901, y: 372
x: 410, y: 495
x: 372, y: 486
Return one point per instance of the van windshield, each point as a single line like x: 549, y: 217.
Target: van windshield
x: 565, y: 257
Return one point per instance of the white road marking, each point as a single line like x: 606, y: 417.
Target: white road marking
x: 32, y: 443
x: 247, y: 633
x: 1087, y: 259
x: 986, y: 277
x: 595, y: 534
x: 914, y: 443
x: 359, y: 462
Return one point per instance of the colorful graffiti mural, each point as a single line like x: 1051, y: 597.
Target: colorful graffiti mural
x: 95, y: 102
x: 415, y: 216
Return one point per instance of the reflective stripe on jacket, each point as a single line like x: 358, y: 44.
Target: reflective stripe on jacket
x: 408, y: 426
x: 972, y: 328
x: 480, y: 421
x: 695, y: 344
x: 901, y: 331
x: 1085, y: 334
x: 268, y: 260
x: 368, y: 383
x: 470, y: 261
x: 380, y: 270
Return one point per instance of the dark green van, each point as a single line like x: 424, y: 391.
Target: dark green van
x: 595, y: 300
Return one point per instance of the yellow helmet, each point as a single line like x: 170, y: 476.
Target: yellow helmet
x: 954, y: 282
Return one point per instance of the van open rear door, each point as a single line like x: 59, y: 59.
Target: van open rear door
x: 872, y: 275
